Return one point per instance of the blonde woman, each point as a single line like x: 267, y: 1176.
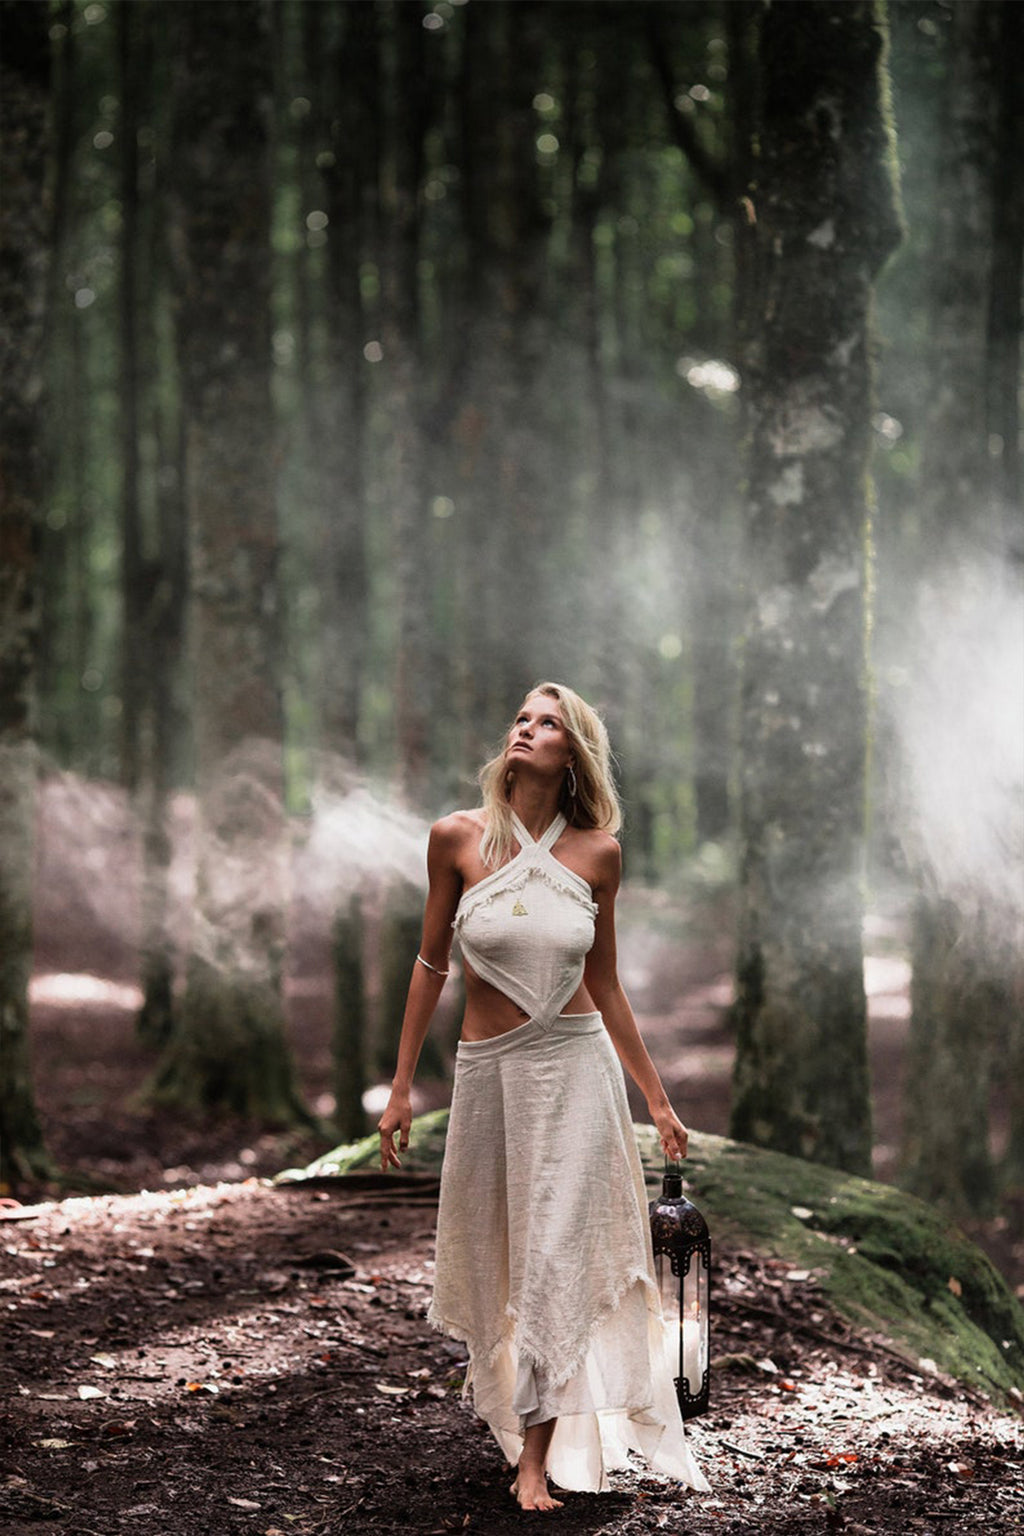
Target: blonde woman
x: 544, y: 1265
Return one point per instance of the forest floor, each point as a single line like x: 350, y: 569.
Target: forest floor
x: 204, y: 1354
x: 244, y: 1360
x: 209, y: 1355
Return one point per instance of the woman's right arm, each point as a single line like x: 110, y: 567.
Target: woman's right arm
x: 444, y: 890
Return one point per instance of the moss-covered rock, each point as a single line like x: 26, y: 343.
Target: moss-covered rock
x: 425, y: 1153
x: 885, y: 1260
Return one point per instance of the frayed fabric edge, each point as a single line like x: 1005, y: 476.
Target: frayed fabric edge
x: 532, y: 1354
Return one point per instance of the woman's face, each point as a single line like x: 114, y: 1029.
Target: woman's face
x: 538, y: 736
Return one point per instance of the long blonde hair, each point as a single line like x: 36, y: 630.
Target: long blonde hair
x: 596, y: 801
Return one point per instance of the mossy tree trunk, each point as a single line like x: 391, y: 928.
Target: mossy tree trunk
x: 827, y: 217
x: 964, y: 1012
x: 23, y: 270
x: 229, y: 1050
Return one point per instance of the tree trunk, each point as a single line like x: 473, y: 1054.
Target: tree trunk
x: 963, y: 1012
x: 24, y: 247
x: 827, y: 218
x: 229, y: 1051
x: 417, y: 659
x: 337, y: 420
x: 504, y: 494
x: 1003, y: 372
x: 349, y: 1037
x: 133, y: 595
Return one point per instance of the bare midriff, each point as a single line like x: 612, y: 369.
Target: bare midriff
x: 489, y: 1013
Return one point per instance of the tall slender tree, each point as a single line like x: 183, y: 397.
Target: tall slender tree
x: 722, y: 174
x: 229, y: 1050
x: 24, y: 245
x: 827, y: 218
x: 963, y: 1007
x: 401, y: 202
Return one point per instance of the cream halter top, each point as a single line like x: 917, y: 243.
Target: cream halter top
x: 528, y: 927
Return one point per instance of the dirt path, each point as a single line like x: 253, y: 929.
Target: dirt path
x: 204, y: 1363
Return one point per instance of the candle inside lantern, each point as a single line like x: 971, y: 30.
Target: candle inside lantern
x: 693, y: 1368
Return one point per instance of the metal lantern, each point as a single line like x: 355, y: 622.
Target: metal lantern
x: 682, y: 1262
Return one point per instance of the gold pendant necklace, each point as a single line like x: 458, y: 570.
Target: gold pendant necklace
x: 519, y: 910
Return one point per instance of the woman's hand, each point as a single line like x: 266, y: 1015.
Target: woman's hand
x: 671, y: 1130
x: 396, y: 1117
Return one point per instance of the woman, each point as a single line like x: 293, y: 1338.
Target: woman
x: 544, y: 1263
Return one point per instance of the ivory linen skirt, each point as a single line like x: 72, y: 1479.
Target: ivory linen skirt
x: 544, y: 1265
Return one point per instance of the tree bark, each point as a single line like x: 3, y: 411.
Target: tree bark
x: 964, y: 973
x: 229, y: 1051
x: 826, y: 218
x: 348, y: 1041
x: 502, y: 492
x: 24, y: 254
x: 417, y: 659
x: 338, y: 421
x: 133, y: 594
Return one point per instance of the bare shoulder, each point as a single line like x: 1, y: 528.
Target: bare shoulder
x: 600, y: 853
x: 607, y: 851
x: 456, y: 831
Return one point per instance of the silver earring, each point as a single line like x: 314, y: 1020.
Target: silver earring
x: 572, y: 781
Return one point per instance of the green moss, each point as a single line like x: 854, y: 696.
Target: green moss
x: 424, y: 1155
x: 884, y: 1259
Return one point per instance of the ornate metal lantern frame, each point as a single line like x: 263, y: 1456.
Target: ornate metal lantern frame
x: 682, y: 1259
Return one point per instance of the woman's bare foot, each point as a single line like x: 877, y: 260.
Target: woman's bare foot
x: 531, y: 1484
x: 531, y: 1490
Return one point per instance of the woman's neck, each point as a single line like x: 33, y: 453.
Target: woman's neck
x: 535, y: 805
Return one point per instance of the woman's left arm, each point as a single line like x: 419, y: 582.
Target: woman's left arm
x: 601, y: 976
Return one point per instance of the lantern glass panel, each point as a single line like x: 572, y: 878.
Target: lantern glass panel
x: 694, y: 1323
x: 668, y: 1285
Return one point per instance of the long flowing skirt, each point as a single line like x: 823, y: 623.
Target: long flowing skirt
x: 544, y: 1264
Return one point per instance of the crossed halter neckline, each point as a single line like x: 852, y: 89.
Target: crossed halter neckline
x: 547, y: 839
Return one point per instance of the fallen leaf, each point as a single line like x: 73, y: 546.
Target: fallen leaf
x: 86, y: 1393
x: 202, y: 1386
x: 801, y: 1212
x: 389, y: 1390
x: 955, y: 1286
x: 245, y: 1504
x: 54, y: 1445
x: 798, y: 1274
x: 107, y: 1361
x: 961, y: 1468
